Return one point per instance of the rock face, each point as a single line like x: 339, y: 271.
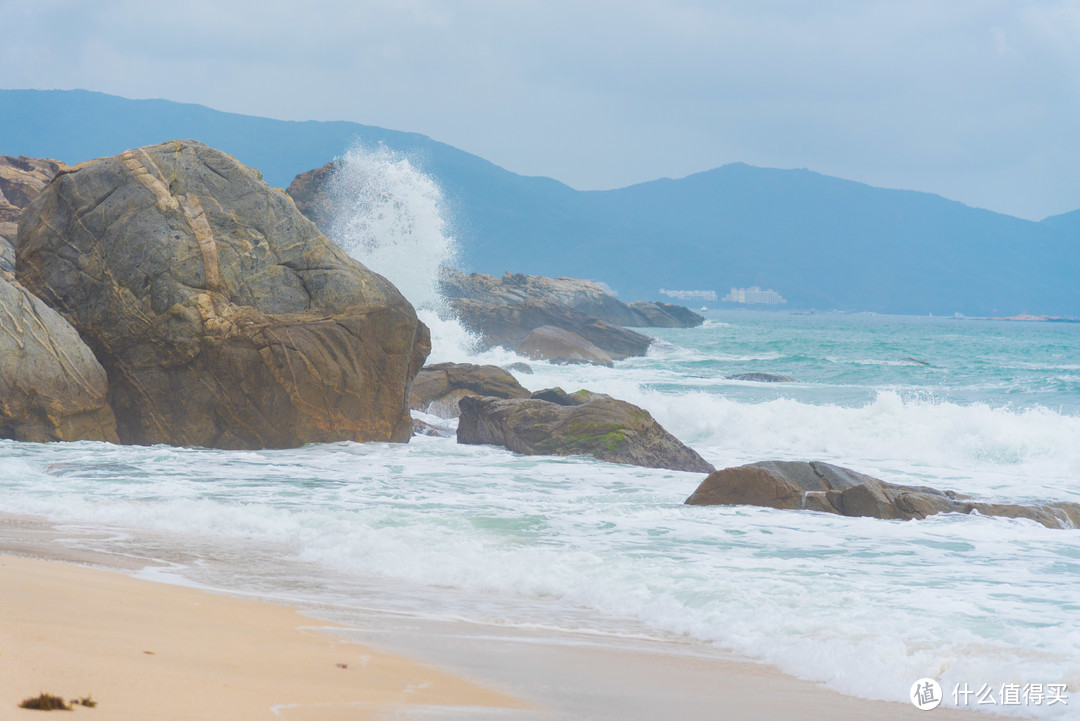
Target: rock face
x: 575, y: 424
x: 666, y: 315
x: 508, y: 325
x: 561, y: 346
x: 438, y: 388
x: 21, y: 180
x: 832, y: 489
x: 221, y: 315
x: 51, y: 386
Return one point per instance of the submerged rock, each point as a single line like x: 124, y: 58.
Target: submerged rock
x: 561, y: 346
x: 438, y: 388
x: 221, y: 315
x: 51, y: 386
x: 824, y: 487
x: 761, y: 378
x: 600, y: 426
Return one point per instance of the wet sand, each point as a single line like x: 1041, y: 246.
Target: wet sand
x: 147, y: 650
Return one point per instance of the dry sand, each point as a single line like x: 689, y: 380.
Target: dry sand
x: 148, y: 651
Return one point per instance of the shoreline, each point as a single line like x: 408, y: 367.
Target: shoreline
x: 73, y: 630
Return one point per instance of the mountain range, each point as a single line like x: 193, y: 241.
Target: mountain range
x: 821, y: 242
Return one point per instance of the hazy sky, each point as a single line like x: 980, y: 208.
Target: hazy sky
x: 978, y: 100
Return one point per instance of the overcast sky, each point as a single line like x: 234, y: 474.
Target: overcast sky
x: 977, y: 100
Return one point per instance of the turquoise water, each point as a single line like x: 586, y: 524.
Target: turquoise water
x: 866, y: 606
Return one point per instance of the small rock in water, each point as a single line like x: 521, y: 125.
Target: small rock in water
x: 816, y: 486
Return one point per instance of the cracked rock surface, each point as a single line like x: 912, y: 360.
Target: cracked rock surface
x: 221, y: 315
x: 51, y: 386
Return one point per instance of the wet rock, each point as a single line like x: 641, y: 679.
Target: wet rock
x: 438, y: 388
x: 824, y: 487
x: 422, y: 428
x: 561, y: 346
x: 52, y: 388
x: 520, y: 368
x: 603, y: 427
x: 221, y: 315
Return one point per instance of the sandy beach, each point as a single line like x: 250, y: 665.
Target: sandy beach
x: 146, y: 650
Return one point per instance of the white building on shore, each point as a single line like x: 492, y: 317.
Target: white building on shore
x: 687, y: 295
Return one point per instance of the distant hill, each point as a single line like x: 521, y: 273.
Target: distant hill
x: 821, y: 242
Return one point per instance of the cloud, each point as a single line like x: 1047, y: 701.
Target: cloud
x: 973, y: 99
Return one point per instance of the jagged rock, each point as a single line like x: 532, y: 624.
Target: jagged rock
x: 21, y: 180
x: 438, y: 388
x: 761, y: 378
x: 609, y: 429
x: 824, y: 487
x: 507, y: 325
x: 666, y: 315
x: 221, y: 315
x: 561, y: 346
x: 51, y: 386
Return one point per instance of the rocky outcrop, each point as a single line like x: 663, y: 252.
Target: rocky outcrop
x: 585, y: 296
x: 221, y: 315
x: 508, y: 325
x: 438, y: 388
x: 561, y: 346
x: 21, y: 180
x: 832, y: 489
x: 51, y: 386
x: 306, y: 190
x: 580, y: 424
x: 665, y: 315
x: 761, y: 378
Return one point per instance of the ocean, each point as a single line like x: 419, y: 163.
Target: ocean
x: 437, y: 530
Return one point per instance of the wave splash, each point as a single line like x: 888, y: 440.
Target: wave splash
x: 392, y: 217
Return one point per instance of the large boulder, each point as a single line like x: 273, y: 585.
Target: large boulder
x: 51, y: 386
x: 506, y: 325
x: 21, y: 180
x: 824, y: 487
x: 438, y: 388
x: 561, y: 346
x: 221, y: 315
x: 556, y: 423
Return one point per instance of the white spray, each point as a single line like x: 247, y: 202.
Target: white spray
x: 391, y: 217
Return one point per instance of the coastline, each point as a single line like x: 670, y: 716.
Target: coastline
x: 74, y: 631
